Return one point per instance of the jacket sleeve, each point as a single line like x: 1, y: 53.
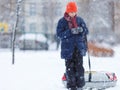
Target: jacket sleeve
x: 83, y: 24
x: 62, y: 33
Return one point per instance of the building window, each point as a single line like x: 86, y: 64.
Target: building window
x: 33, y: 27
x: 32, y: 8
x: 44, y: 27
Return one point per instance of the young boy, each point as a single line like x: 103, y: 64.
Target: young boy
x: 72, y: 31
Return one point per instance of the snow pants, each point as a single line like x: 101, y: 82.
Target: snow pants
x: 75, y: 71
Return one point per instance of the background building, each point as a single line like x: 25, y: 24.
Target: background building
x: 41, y: 16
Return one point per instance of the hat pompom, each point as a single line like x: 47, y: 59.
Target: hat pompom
x: 71, y: 7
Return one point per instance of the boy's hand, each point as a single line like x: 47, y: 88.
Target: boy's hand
x: 80, y: 29
x: 76, y: 30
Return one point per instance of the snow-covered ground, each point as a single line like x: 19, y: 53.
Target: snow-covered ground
x: 42, y: 70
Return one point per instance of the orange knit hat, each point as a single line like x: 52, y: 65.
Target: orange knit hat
x: 71, y: 7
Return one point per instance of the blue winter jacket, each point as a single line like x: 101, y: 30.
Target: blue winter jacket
x: 69, y: 41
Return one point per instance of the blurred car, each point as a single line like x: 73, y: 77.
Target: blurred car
x: 33, y: 42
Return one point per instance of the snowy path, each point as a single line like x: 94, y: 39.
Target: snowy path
x: 42, y: 70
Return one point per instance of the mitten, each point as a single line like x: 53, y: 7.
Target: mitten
x: 74, y: 31
x: 77, y: 30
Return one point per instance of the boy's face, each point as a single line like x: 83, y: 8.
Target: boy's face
x: 72, y: 14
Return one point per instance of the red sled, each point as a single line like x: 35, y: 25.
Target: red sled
x: 99, y: 80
